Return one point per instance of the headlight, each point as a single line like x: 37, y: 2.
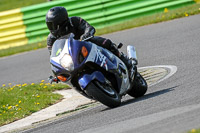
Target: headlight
x: 67, y: 63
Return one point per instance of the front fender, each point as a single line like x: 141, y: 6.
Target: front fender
x: 87, y: 78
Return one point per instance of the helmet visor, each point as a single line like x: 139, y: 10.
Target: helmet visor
x: 52, y: 26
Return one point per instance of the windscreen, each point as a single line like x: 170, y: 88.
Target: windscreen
x: 58, y: 47
x: 59, y: 44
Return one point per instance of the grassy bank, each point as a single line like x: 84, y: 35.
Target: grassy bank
x: 19, y: 101
x: 166, y: 15
x: 20, y: 49
x: 156, y: 18
x: 13, y: 4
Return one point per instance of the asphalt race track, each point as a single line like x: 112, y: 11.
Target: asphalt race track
x: 172, y: 105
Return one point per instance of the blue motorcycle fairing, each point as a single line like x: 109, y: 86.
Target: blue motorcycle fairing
x: 105, y: 59
x: 57, y: 49
x: 75, y: 47
x: 87, y: 78
x: 57, y: 68
x: 109, y: 61
x: 101, y: 56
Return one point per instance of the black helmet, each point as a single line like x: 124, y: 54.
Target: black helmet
x: 56, y: 19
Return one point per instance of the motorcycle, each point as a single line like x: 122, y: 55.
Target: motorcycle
x: 94, y: 71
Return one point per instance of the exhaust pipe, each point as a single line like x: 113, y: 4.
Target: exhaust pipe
x: 131, y: 53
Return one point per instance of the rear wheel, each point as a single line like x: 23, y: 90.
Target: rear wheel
x: 104, y: 94
x: 139, y: 86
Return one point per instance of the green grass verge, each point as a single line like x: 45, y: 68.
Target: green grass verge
x: 151, y: 19
x: 141, y: 21
x: 19, y: 101
x: 20, y: 49
x: 13, y: 4
x: 194, y: 131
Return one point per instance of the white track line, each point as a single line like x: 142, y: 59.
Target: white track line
x: 173, y: 70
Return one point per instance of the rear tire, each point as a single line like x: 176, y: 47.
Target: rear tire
x: 139, y: 86
x: 109, y: 98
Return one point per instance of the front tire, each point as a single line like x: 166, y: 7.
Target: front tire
x: 139, y: 86
x: 107, y: 96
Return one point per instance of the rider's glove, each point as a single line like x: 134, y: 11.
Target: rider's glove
x: 53, y: 79
x: 84, y: 36
x: 88, y: 34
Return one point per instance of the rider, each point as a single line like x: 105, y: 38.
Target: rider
x: 60, y: 24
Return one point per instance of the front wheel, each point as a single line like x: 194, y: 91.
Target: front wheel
x: 139, y: 86
x: 104, y: 94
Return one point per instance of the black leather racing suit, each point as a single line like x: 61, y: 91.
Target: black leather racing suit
x: 79, y: 27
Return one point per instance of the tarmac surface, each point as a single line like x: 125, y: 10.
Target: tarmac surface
x: 169, y: 106
x: 73, y: 100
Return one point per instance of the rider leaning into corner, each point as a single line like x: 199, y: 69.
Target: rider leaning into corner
x: 59, y: 24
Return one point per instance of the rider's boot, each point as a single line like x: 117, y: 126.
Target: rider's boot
x: 131, y: 66
x: 126, y: 61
